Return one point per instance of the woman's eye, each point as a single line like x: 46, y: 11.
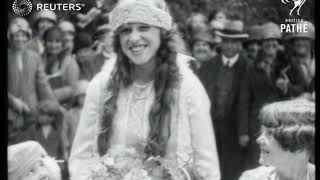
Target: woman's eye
x: 144, y: 28
x: 125, y: 31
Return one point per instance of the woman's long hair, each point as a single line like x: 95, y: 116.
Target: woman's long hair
x: 166, y: 80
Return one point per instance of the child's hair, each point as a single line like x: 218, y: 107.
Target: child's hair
x: 291, y: 123
x: 24, y: 155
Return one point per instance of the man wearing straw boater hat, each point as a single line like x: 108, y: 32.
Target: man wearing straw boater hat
x: 225, y: 80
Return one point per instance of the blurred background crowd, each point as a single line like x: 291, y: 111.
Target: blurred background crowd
x: 53, y: 55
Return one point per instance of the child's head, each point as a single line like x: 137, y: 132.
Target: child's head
x: 48, y: 111
x: 28, y: 160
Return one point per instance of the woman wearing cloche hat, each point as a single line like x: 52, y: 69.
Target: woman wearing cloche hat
x: 147, y: 95
x: 42, y: 21
x: 27, y: 83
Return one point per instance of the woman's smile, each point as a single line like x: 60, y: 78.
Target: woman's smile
x: 138, y: 49
x: 140, y: 42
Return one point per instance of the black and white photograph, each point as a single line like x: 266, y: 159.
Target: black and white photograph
x: 161, y: 89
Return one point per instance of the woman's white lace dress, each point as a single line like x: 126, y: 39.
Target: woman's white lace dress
x: 191, y: 141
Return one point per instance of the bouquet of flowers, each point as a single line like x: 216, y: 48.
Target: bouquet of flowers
x: 130, y: 164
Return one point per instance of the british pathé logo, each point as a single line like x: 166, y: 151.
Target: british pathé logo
x: 22, y: 7
x: 297, y: 5
x: 294, y: 26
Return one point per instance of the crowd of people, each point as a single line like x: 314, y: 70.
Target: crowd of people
x: 230, y: 97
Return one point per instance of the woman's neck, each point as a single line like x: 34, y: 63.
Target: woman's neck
x: 144, y: 73
x: 296, y: 169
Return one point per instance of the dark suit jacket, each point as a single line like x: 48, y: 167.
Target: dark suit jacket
x: 262, y: 90
x: 238, y: 112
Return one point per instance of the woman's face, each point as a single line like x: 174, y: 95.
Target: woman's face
x: 42, y: 170
x: 198, y: 21
x: 54, y: 45
x: 68, y: 41
x: 106, y: 41
x: 201, y: 50
x: 139, y: 42
x: 19, y: 39
x: 44, y: 24
x: 220, y: 16
x: 271, y: 153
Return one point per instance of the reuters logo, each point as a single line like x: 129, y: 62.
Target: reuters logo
x: 22, y: 7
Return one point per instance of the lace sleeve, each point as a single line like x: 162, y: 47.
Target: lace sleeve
x: 83, y: 153
x: 206, y: 163
x: 260, y: 173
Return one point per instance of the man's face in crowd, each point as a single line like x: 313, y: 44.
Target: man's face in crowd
x: 230, y: 47
x: 253, y: 49
x: 270, y: 47
x: 302, y: 46
x: 201, y: 50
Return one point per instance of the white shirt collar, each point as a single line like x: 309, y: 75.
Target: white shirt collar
x: 232, y: 60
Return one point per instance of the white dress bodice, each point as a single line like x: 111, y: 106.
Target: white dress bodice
x: 131, y: 124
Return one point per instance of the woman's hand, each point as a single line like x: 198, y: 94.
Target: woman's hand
x: 282, y: 84
x: 244, y: 140
x: 21, y: 106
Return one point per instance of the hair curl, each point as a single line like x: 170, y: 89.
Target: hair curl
x: 166, y: 80
x: 291, y: 123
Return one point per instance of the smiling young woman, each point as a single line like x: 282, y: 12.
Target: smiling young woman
x: 147, y: 95
x: 286, y: 142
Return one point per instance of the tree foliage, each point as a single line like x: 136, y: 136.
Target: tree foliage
x: 250, y: 11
